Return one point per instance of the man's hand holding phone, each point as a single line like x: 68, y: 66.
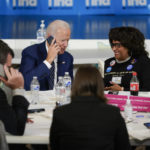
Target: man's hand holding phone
x: 53, y: 50
x: 14, y: 78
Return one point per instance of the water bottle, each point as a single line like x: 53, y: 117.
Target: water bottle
x: 128, y: 110
x: 134, y: 84
x: 35, y: 87
x: 41, y: 33
x: 60, y: 89
x: 67, y: 83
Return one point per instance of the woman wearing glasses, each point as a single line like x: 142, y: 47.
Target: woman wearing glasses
x: 130, y: 55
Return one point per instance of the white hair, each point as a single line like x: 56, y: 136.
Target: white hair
x: 55, y: 25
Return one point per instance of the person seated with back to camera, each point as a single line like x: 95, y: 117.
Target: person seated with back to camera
x: 39, y: 59
x: 130, y: 56
x: 88, y: 122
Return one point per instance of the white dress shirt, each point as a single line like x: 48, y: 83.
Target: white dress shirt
x: 49, y: 65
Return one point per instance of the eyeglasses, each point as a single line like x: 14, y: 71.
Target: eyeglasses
x: 117, y: 45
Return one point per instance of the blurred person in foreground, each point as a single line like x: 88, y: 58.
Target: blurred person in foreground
x: 88, y: 122
x: 130, y: 55
x: 14, y: 117
x: 6, y: 56
x: 39, y: 59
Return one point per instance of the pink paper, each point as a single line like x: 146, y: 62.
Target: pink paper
x: 139, y: 103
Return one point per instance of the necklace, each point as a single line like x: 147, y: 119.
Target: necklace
x: 122, y: 61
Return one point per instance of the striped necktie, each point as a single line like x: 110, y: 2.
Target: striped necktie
x: 52, y: 73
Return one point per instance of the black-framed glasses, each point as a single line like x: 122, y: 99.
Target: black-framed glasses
x: 117, y: 45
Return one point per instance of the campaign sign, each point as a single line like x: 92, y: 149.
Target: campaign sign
x: 74, y: 7
x: 139, y: 103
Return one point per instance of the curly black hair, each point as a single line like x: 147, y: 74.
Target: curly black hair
x: 130, y: 38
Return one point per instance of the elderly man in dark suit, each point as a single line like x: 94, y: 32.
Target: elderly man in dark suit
x: 48, y: 61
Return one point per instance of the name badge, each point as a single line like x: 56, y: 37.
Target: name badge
x: 117, y: 80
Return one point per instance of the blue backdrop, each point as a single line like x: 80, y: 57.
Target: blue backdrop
x: 74, y: 7
x: 82, y: 27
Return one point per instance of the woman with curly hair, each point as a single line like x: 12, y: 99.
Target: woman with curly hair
x: 130, y: 55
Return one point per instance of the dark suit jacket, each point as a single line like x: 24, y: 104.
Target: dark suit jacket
x: 14, y: 118
x: 88, y: 124
x: 32, y: 65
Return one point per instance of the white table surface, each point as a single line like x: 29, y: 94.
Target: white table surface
x: 38, y: 131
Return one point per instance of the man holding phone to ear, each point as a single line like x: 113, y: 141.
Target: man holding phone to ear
x: 14, y: 117
x: 48, y: 60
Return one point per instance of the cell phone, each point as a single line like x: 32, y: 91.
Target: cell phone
x: 2, y: 72
x: 147, y: 124
x: 50, y: 39
x: 35, y: 110
x: 113, y: 92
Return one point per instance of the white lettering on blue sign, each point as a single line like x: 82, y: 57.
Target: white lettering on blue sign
x: 24, y: 3
x: 133, y: 3
x: 93, y: 3
x: 50, y: 3
x: 60, y: 3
